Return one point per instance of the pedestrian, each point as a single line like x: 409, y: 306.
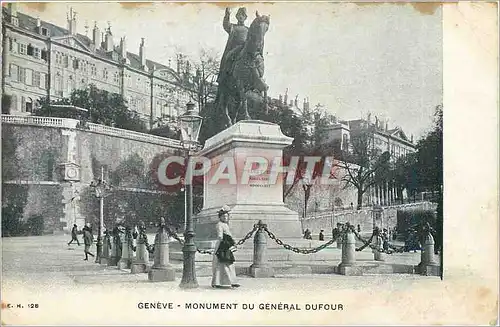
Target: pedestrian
x: 352, y: 206
x: 88, y: 239
x: 74, y: 232
x: 307, y: 234
x: 321, y: 235
x: 223, y: 271
x: 359, y: 228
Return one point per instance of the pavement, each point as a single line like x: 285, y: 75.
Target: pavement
x: 46, y: 272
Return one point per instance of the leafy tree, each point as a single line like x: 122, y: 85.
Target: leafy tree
x: 6, y: 103
x: 103, y: 108
x: 430, y: 155
x: 364, y: 164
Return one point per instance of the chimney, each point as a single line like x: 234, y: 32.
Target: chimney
x: 13, y: 13
x: 285, y: 100
x: 108, y: 43
x: 123, y: 48
x: 411, y: 138
x: 281, y: 99
x: 386, y: 126
x: 72, y: 21
x: 142, y: 53
x: 96, y: 36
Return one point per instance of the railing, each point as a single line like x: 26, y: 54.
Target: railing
x: 40, y: 121
x: 95, y: 128
x: 123, y: 133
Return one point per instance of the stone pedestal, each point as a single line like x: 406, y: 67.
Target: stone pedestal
x: 245, y: 157
x: 348, y: 265
x: 141, y: 262
x: 161, y: 271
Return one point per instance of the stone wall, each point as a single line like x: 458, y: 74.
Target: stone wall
x: 362, y: 217
x: 39, y: 158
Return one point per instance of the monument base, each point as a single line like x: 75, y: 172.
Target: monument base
x: 349, y: 270
x: 261, y: 271
x: 123, y: 264
x: 139, y: 268
x: 164, y: 274
x: 113, y: 261
x: 428, y: 269
x: 281, y: 221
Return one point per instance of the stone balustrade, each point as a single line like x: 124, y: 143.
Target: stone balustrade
x: 40, y: 121
x: 91, y: 127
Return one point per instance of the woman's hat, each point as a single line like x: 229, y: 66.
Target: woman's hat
x: 225, y: 209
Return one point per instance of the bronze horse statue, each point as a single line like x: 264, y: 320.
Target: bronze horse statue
x: 245, y: 73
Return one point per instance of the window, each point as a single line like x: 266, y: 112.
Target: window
x: 43, y: 55
x: 28, y: 80
x: 11, y: 45
x: 43, y: 81
x: 116, y: 78
x: 22, y: 75
x: 93, y: 70
x: 45, y: 32
x: 29, y: 50
x: 105, y: 73
x: 75, y: 64
x: 21, y: 48
x: 14, y: 104
x: 14, y: 72
x: 36, y: 79
x: 66, y: 61
x: 29, y: 105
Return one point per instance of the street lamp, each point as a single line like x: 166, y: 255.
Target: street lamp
x: 190, y: 125
x: 100, y: 188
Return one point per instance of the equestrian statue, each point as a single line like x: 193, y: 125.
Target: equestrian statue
x: 242, y: 66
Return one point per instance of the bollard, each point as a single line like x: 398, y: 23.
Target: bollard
x: 161, y: 271
x: 260, y: 268
x: 141, y: 262
x: 105, y: 249
x: 113, y: 255
x: 339, y: 241
x: 348, y: 265
x: 428, y: 265
x: 127, y: 252
x: 378, y: 255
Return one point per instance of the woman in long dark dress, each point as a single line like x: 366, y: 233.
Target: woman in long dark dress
x: 223, y: 271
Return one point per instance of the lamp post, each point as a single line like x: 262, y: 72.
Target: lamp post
x: 190, y: 124
x: 100, y: 188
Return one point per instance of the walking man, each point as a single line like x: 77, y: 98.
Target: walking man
x: 88, y: 239
x: 74, y: 232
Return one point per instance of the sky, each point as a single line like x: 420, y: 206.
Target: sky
x: 354, y: 59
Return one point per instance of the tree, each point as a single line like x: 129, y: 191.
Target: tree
x: 201, y: 85
x: 364, y: 164
x: 103, y: 108
x: 430, y: 155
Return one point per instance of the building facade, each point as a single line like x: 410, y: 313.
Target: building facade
x: 382, y: 139
x: 41, y: 59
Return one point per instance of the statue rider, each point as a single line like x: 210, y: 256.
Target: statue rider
x: 236, y: 40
